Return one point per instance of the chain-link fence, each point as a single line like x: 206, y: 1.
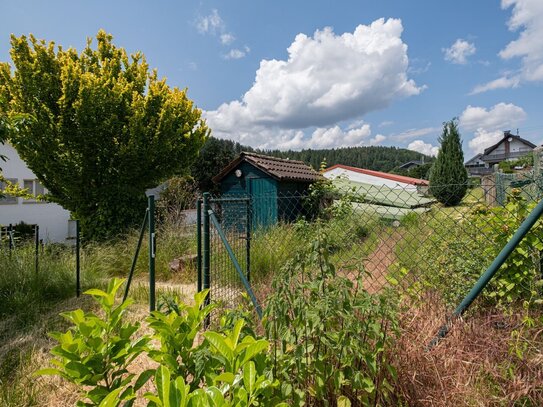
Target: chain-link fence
x: 398, y: 239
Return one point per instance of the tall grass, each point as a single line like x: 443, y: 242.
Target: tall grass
x: 24, y: 291
x: 114, y: 258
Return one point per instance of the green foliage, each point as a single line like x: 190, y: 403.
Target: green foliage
x: 180, y: 194
x: 448, y: 176
x: 370, y: 157
x: 518, y: 276
x: 101, y: 128
x: 228, y: 368
x: 214, y: 156
x: 25, y: 295
x: 330, y: 335
x: 97, y: 351
x: 458, y: 250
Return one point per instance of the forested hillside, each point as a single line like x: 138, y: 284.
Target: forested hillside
x: 217, y: 153
x: 372, y: 158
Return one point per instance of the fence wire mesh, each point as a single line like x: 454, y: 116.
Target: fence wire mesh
x: 400, y: 239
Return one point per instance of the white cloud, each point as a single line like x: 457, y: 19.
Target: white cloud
x: 211, y: 23
x: 500, y: 83
x: 412, y: 133
x: 488, y: 125
x: 526, y: 16
x: 499, y: 117
x: 326, y: 79
x: 237, y: 53
x: 378, y: 139
x: 459, y: 52
x: 227, y: 38
x: 422, y: 147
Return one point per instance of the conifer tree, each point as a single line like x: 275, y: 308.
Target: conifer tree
x: 448, y: 177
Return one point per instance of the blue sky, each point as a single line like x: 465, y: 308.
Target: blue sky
x: 300, y: 74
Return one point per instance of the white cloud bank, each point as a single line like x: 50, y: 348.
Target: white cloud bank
x: 326, y: 79
x: 526, y: 16
x: 424, y: 148
x: 459, y: 52
x: 488, y: 124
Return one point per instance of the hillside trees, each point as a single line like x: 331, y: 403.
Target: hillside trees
x: 448, y: 176
x: 104, y: 128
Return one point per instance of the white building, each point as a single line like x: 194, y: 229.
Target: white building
x: 376, y: 178
x: 52, y: 219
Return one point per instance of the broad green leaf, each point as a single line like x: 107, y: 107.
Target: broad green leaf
x: 249, y: 374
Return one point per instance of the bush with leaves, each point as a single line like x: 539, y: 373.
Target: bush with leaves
x: 330, y: 335
x: 97, y: 127
x: 228, y: 368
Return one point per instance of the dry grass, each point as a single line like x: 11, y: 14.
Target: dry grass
x: 475, y: 365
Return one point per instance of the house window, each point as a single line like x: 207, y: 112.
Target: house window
x: 6, y: 199
x: 34, y: 188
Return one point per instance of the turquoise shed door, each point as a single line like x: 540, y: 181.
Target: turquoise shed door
x: 263, y: 192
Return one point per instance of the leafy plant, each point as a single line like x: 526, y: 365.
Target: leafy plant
x: 96, y: 351
x: 229, y: 367
x: 330, y: 335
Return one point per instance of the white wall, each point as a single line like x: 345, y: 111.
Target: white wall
x: 368, y: 179
x: 51, y: 218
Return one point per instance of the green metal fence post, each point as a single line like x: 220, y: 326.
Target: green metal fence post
x: 206, y: 252
x: 152, y: 252
x: 248, y: 244
x: 10, y: 239
x: 77, y: 261
x: 136, y: 254
x: 199, y: 241
x: 523, y: 229
x: 36, y: 246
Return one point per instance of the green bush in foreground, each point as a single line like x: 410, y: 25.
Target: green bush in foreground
x: 226, y: 369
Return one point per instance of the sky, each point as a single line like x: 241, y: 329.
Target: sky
x: 325, y: 74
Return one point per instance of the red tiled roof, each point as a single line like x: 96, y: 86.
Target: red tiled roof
x: 386, y: 175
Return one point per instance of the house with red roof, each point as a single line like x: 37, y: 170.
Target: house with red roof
x: 376, y: 178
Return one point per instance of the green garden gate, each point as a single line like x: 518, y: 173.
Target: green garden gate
x: 224, y: 249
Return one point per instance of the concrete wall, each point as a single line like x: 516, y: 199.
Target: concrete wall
x: 51, y: 218
x: 368, y: 179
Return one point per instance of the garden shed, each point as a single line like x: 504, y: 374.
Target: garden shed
x: 275, y: 186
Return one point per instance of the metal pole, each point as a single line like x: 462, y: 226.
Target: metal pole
x: 248, y: 241
x: 77, y: 261
x: 152, y: 252
x: 199, y: 241
x: 206, y: 250
x: 36, y: 246
x: 136, y: 254
x: 523, y: 229
x: 10, y: 238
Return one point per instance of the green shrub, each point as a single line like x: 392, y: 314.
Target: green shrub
x: 330, y: 335
x: 225, y: 369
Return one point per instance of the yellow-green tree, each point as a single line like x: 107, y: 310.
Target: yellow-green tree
x: 99, y: 129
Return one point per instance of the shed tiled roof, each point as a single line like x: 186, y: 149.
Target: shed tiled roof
x: 385, y: 175
x: 278, y: 168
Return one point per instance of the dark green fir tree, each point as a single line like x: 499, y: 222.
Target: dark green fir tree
x: 448, y: 177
